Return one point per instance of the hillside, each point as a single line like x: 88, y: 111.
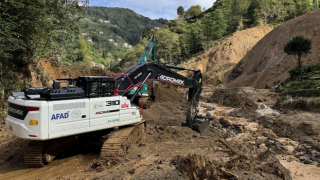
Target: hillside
x: 122, y: 22
x: 110, y: 32
x: 214, y: 62
x: 267, y: 64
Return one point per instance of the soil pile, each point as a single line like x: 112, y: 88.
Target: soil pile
x: 267, y: 64
x: 43, y: 71
x: 169, y: 107
x: 232, y: 98
x: 229, y: 51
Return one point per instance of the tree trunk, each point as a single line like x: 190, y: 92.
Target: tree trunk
x: 300, y: 65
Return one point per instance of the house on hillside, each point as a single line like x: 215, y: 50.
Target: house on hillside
x: 111, y: 40
x: 90, y: 40
x: 106, y: 21
x: 97, y: 65
x: 115, y: 26
x: 119, y: 59
x: 156, y: 28
x: 125, y: 44
x: 84, y: 34
x: 100, y: 20
x: 116, y: 44
x: 100, y: 32
x: 129, y: 46
x: 119, y: 37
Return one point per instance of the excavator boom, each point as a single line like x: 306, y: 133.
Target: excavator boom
x: 139, y: 73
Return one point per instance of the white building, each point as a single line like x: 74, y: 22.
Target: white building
x: 100, y: 32
x: 125, y: 44
x: 84, y: 34
x: 119, y: 59
x: 100, y: 20
x: 116, y: 44
x: 111, y: 40
x: 106, y: 21
x: 156, y: 28
x: 97, y: 65
x: 90, y: 40
x: 129, y: 46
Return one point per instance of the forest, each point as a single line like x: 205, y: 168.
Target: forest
x: 195, y: 30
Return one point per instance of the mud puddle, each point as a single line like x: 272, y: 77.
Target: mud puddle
x: 57, y: 168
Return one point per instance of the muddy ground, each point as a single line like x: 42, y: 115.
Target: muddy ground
x: 249, y: 138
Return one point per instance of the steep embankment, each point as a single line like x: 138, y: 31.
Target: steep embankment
x: 44, y: 71
x: 267, y: 64
x: 217, y: 60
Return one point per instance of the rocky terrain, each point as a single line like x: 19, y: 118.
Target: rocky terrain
x: 251, y: 137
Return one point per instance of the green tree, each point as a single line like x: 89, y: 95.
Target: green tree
x: 299, y: 46
x: 315, y: 4
x: 193, y: 11
x: 83, y: 45
x: 180, y: 11
x: 239, y: 8
x: 303, y: 6
x: 146, y: 32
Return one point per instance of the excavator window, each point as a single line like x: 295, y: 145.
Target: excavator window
x: 101, y: 89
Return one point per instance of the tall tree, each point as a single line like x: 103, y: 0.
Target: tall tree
x: 146, y: 32
x: 180, y: 11
x: 298, y: 46
x: 239, y: 7
x: 193, y: 11
x: 315, y: 4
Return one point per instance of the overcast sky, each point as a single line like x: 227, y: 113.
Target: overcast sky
x: 153, y: 9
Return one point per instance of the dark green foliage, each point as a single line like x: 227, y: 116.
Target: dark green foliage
x: 193, y: 11
x: 129, y: 25
x: 313, y: 68
x: 146, y: 32
x: 180, y: 11
x: 299, y: 46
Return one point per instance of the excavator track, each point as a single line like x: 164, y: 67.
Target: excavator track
x: 33, y: 154
x: 119, y: 141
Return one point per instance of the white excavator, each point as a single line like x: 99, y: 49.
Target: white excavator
x: 93, y: 109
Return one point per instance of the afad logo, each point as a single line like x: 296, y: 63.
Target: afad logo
x: 60, y: 116
x: 125, y: 105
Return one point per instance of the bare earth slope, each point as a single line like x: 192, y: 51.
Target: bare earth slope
x: 267, y: 64
x: 216, y: 60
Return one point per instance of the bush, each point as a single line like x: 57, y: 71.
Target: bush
x: 295, y: 73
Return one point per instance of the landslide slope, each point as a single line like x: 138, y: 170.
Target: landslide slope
x: 227, y: 53
x: 267, y: 64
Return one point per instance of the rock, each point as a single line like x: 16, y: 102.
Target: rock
x: 268, y: 143
x: 315, y: 163
x: 307, y: 161
x: 233, y: 134
x: 303, y: 158
x: 132, y: 171
x: 224, y: 122
x: 309, y: 147
x: 265, y: 132
x: 253, y: 129
x: 290, y: 150
x: 208, y: 115
x: 313, y: 155
x: 278, y: 145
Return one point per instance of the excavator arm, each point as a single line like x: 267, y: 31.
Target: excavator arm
x: 139, y: 73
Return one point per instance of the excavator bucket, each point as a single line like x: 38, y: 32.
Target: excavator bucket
x: 202, y: 125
